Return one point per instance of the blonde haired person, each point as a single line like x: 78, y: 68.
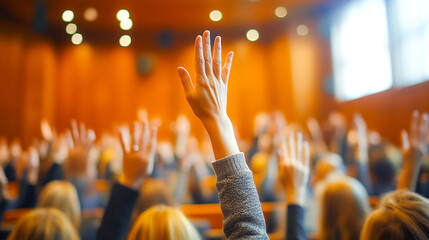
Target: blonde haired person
x: 401, y: 215
x: 44, y: 224
x: 344, y: 207
x: 62, y: 195
x: 163, y: 222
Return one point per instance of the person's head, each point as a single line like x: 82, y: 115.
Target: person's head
x: 62, y: 195
x: 163, y: 222
x: 385, y: 162
x: 344, y: 207
x: 401, y: 215
x: 152, y: 192
x: 328, y: 163
x: 44, y: 224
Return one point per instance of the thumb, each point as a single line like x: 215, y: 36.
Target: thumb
x: 405, y: 140
x: 187, y: 84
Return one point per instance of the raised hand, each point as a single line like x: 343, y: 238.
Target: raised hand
x: 4, y: 152
x: 207, y: 94
x: 139, y: 154
x: 181, y: 129
x: 80, y: 144
x: 28, y: 161
x: 317, y: 136
x: 362, y: 139
x: 294, y: 167
x: 3, y: 185
x: 414, y: 149
x: 46, y: 129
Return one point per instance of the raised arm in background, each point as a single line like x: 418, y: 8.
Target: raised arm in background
x: 139, y: 154
x: 414, y: 149
x: 294, y: 171
x: 28, y: 175
x: 361, y: 155
x: 207, y: 96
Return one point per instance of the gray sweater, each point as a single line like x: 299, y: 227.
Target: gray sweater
x: 239, y: 201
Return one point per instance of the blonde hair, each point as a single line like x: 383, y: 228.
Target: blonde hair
x: 401, y: 215
x: 152, y: 192
x: 44, y: 224
x: 344, y: 207
x: 62, y: 195
x: 162, y: 222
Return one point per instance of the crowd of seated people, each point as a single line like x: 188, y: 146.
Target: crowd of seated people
x: 336, y: 182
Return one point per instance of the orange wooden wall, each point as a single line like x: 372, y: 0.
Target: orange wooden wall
x: 100, y: 85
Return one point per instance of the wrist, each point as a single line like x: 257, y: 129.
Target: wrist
x: 214, y: 122
x: 32, y: 177
x: 131, y: 183
x: 221, y: 133
x: 297, y: 198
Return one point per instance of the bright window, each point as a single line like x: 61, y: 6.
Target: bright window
x: 410, y: 22
x: 360, y: 49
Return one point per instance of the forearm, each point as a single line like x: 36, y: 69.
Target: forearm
x: 181, y: 186
x: 295, y: 223
x: 117, y: 215
x: 239, y: 201
x: 362, y: 175
x: 27, y: 197
x: 221, y: 135
x: 55, y: 173
x: 408, y: 178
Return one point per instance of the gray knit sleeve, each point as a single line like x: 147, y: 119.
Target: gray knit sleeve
x: 239, y: 201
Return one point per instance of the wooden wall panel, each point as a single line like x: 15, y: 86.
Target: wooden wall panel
x: 100, y: 85
x: 390, y: 111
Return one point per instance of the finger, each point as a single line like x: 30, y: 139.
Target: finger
x: 91, y: 137
x: 152, y: 151
x: 423, y: 128
x: 34, y: 157
x: 284, y: 151
x: 69, y: 139
x: 136, y: 137
x: 217, y: 57
x: 292, y: 150
x: 299, y: 148
x: 207, y: 53
x: 413, y: 127
x: 306, y: 155
x: 227, y: 67
x: 145, y: 136
x: 75, y: 130
x: 82, y: 132
x: 199, y: 58
x: 46, y: 129
x: 152, y: 144
x: 187, y: 83
x: 405, y: 139
x: 124, y: 145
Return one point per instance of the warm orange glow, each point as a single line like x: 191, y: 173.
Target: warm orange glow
x: 90, y: 14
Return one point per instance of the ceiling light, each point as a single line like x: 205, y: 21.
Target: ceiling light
x: 68, y: 15
x: 71, y: 28
x: 77, y: 38
x: 125, y: 41
x: 126, y: 24
x: 281, y: 12
x: 122, y: 15
x: 252, y: 35
x: 215, y: 15
x: 90, y: 14
x: 302, y: 30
